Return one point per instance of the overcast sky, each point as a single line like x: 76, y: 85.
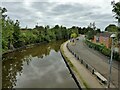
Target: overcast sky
x: 62, y: 12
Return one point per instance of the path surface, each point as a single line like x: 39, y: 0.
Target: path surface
x: 96, y: 60
x: 88, y: 78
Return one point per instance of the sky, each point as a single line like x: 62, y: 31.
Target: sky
x: 62, y: 12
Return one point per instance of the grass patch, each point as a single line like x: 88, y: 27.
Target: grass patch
x: 73, y: 67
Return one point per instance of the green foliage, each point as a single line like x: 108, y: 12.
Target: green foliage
x: 116, y: 10
x: 111, y: 28
x: 14, y: 37
x: 118, y: 36
x: 91, y: 28
x: 103, y: 49
x: 90, y: 35
x: 10, y: 32
x: 106, y: 51
x: 73, y: 35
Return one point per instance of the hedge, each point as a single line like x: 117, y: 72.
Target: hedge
x: 102, y: 49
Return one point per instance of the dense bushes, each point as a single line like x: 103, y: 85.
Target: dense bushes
x: 103, y: 50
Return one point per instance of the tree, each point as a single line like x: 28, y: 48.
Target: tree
x: 98, y: 31
x: 90, y: 34
x: 16, y: 34
x: 3, y: 11
x: 56, y: 27
x: 116, y: 10
x: 73, y: 35
x: 3, y: 22
x: 9, y: 32
x: 111, y: 28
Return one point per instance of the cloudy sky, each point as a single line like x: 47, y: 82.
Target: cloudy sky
x: 62, y: 12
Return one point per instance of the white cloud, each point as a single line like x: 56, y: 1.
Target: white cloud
x: 65, y: 12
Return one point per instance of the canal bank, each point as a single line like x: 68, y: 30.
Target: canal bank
x: 23, y: 47
x: 83, y: 76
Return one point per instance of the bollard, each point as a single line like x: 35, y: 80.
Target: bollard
x: 93, y: 71
x: 79, y: 58
x: 82, y: 61
x: 87, y: 66
x: 75, y: 55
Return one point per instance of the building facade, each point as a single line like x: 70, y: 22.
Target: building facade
x: 103, y: 38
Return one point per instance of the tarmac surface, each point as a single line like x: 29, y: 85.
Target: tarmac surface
x: 96, y: 60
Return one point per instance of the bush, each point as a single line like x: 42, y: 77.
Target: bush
x: 103, y: 50
x: 116, y: 56
x: 106, y: 51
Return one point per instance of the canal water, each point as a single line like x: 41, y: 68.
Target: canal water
x: 41, y: 66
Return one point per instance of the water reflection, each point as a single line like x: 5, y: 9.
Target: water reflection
x: 40, y: 66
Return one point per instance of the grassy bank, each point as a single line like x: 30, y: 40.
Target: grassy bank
x: 74, y: 68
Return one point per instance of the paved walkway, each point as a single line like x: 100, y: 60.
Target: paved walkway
x: 96, y: 60
x: 84, y: 75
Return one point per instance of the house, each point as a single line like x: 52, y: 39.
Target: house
x: 103, y: 38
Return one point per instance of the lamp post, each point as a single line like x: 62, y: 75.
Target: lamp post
x: 110, y: 66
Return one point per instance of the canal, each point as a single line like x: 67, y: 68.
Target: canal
x: 41, y: 66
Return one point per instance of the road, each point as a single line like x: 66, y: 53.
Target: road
x: 96, y: 60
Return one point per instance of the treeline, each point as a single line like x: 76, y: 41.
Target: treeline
x: 14, y: 37
x: 41, y: 34
x: 89, y: 31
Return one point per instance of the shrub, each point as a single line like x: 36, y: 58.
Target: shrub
x: 106, y: 51
x: 101, y: 48
x: 116, y: 56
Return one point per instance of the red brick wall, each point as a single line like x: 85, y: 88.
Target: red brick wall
x: 94, y: 40
x: 103, y: 40
x: 106, y: 41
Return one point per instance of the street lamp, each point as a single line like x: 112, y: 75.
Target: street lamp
x: 112, y: 46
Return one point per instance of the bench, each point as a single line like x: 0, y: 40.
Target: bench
x: 100, y: 77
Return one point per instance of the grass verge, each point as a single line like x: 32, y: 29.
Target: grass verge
x: 74, y: 68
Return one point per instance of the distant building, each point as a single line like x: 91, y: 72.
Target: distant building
x: 103, y: 38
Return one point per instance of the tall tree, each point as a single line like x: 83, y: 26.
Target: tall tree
x: 111, y: 28
x: 3, y: 11
x: 16, y: 34
x: 116, y: 10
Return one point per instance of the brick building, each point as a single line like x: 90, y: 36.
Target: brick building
x: 103, y: 38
